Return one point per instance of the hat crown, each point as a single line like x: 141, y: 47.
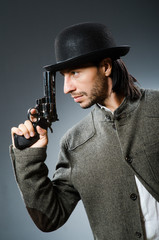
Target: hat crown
x: 82, y: 39
x: 84, y: 43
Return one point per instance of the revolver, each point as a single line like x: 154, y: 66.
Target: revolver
x: 45, y: 112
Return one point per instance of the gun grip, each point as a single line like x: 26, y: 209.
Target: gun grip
x: 21, y: 142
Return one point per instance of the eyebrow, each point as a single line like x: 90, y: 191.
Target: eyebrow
x: 64, y: 71
x: 68, y: 70
x: 90, y: 64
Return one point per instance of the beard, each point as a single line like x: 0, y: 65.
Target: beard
x: 98, y: 94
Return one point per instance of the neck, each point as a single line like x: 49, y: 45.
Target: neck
x: 113, y: 99
x: 113, y: 102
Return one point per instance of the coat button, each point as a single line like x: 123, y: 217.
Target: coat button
x: 138, y: 234
x: 133, y: 196
x: 129, y: 159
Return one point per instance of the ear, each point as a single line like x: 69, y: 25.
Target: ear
x: 107, y: 64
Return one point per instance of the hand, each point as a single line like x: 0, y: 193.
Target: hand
x: 28, y: 131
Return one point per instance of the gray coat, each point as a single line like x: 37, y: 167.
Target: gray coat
x: 98, y: 160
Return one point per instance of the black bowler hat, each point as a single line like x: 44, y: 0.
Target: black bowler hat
x: 83, y: 43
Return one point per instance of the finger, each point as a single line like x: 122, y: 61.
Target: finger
x: 15, y: 130
x: 30, y: 128
x: 33, y: 110
x: 25, y: 130
x: 32, y: 115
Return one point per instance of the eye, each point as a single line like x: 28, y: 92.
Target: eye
x: 75, y: 73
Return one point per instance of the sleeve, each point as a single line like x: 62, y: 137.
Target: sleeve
x: 49, y: 203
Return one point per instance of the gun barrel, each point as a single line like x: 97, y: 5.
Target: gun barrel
x: 49, y: 86
x: 49, y: 100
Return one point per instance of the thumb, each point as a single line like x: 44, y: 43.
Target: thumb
x: 41, y: 131
x: 43, y: 139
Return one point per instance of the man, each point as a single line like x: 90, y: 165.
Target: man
x: 110, y: 159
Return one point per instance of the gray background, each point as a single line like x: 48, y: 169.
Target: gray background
x: 28, y: 29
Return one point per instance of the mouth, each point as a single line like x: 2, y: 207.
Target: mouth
x: 77, y: 98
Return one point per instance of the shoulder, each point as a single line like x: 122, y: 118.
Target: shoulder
x: 80, y: 133
x: 152, y: 101
x: 152, y: 94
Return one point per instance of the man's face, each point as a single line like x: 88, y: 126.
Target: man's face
x: 86, y: 85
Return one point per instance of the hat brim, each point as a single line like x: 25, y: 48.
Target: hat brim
x: 113, y: 53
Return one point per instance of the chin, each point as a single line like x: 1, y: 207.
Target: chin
x: 86, y: 105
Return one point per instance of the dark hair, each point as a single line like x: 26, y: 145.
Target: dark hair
x: 123, y: 82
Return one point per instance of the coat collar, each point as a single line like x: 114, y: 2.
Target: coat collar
x: 124, y: 110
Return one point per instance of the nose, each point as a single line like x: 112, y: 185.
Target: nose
x: 69, y: 86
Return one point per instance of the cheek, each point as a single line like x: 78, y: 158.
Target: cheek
x: 85, y: 86
x: 99, y: 88
x: 89, y: 82
x: 92, y: 84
